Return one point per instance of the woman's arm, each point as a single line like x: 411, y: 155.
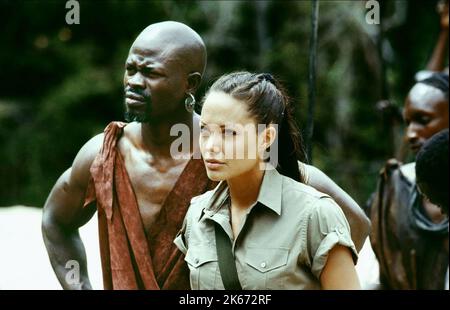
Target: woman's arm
x: 359, y: 222
x: 339, y: 272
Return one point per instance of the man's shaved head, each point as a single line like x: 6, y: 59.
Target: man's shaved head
x: 165, y: 65
x: 174, y: 38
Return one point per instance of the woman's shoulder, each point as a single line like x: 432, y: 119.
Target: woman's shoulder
x: 196, y: 206
x: 301, y: 190
x: 311, y: 200
x: 201, y: 201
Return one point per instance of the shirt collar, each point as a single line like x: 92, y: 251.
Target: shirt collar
x: 271, y: 189
x: 269, y: 193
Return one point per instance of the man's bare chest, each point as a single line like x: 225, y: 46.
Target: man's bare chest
x: 152, y: 180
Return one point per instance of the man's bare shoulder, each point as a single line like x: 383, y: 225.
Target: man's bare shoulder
x: 131, y: 134
x: 90, y: 149
x: 84, y: 159
x: 65, y: 199
x: 131, y: 129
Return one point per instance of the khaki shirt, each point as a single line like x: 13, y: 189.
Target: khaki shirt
x: 283, y: 243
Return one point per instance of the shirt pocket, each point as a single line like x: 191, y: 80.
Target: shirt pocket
x: 268, y: 267
x: 203, y: 267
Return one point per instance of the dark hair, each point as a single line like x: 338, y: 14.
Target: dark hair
x: 432, y: 169
x: 268, y: 103
x: 437, y: 80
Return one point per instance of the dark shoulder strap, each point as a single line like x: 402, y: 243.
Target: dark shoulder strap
x: 225, y: 258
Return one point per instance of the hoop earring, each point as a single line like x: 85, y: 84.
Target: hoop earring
x: 189, y: 103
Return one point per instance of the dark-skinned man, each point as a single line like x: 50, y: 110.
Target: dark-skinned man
x: 432, y: 174
x: 140, y: 191
x: 409, y: 233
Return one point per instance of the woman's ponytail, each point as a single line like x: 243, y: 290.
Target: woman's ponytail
x: 290, y: 149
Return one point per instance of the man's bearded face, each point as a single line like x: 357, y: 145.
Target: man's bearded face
x: 137, y: 105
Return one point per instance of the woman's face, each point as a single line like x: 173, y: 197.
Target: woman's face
x: 228, y: 137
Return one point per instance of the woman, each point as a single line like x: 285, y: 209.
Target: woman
x: 279, y: 233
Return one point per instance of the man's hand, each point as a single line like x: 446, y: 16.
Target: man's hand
x: 443, y: 12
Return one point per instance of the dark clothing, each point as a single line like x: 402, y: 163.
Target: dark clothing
x: 132, y: 259
x: 409, y: 247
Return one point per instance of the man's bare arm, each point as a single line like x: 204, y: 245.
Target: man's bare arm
x: 63, y: 214
x: 359, y: 222
x: 437, y: 60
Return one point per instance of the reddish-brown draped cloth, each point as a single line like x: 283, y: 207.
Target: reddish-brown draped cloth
x: 132, y: 259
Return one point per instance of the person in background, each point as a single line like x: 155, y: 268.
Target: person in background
x: 440, y: 51
x: 432, y: 174
x: 408, y: 231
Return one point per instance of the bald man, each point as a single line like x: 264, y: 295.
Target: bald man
x: 128, y: 175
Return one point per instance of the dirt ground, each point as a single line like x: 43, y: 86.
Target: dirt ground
x: 24, y: 264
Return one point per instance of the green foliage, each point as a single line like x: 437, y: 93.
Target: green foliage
x: 61, y: 84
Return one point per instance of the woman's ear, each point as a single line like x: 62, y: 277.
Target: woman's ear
x: 267, y: 137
